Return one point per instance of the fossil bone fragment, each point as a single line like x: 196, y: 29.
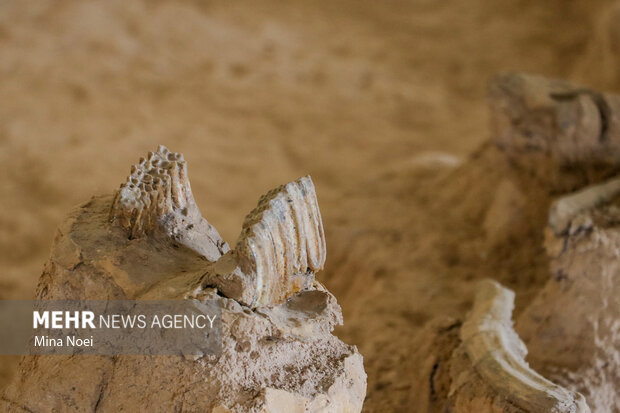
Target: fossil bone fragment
x: 558, y: 138
x: 478, y: 365
x: 279, y: 358
x: 497, y: 354
x: 563, y: 135
x: 567, y: 138
x: 564, y: 209
x: 281, y: 246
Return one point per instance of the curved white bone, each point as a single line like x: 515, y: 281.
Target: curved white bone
x: 497, y: 355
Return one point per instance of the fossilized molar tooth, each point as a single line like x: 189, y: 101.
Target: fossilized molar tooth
x: 157, y: 186
x: 564, y: 209
x: 157, y: 195
x: 283, y: 235
x: 281, y: 246
x: 497, y: 354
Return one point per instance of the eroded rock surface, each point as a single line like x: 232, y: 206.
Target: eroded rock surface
x: 149, y: 241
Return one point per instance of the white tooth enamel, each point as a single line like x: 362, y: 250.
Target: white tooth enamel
x: 157, y: 196
x: 157, y: 186
x: 282, y: 239
x: 497, y: 355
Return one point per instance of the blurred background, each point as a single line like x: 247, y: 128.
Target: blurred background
x: 258, y: 93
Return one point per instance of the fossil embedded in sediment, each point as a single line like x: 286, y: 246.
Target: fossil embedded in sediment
x: 497, y: 355
x: 281, y: 239
x: 564, y: 135
x: 571, y: 326
x: 157, y: 195
x: 564, y: 209
x: 304, y: 368
x: 281, y: 246
x: 157, y: 186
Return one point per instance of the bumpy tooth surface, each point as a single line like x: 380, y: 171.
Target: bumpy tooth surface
x: 497, y: 354
x: 156, y: 186
x: 282, y: 240
x: 564, y: 209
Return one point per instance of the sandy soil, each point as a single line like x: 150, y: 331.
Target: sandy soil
x: 379, y: 101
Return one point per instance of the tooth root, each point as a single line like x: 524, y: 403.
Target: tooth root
x: 497, y: 355
x: 282, y: 242
x: 156, y: 186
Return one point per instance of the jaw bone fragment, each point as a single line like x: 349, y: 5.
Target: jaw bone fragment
x: 280, y: 358
x: 496, y: 354
x: 281, y: 246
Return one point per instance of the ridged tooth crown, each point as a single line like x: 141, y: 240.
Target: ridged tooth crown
x: 281, y: 239
x: 282, y: 243
x: 156, y: 186
x: 497, y: 354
